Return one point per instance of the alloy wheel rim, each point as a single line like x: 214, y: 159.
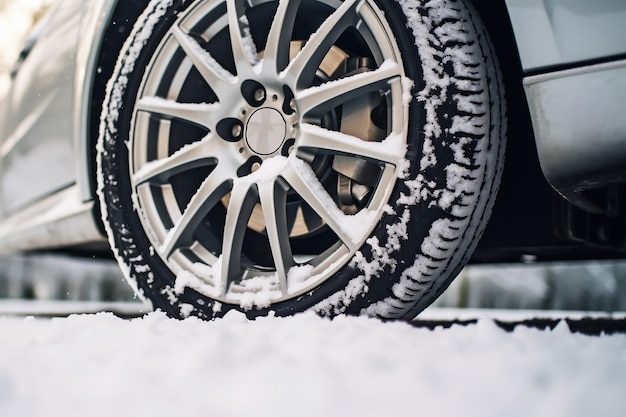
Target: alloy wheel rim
x: 258, y: 175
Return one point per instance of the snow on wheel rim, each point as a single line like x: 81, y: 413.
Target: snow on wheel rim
x: 258, y: 172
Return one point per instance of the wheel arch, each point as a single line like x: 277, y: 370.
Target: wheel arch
x: 522, y: 175
x: 118, y: 26
x: 522, y: 218
x: 522, y: 179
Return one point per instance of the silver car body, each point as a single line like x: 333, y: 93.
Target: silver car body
x: 572, y: 52
x: 578, y: 111
x: 43, y: 123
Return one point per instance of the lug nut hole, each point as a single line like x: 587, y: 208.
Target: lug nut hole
x: 230, y: 129
x: 253, y: 92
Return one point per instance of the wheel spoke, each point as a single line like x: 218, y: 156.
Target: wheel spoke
x: 199, y: 114
x: 278, y: 42
x: 197, y: 154
x: 390, y: 151
x: 302, y: 179
x: 273, y: 202
x: 219, y: 79
x: 323, y: 98
x: 243, y: 198
x: 243, y: 48
x: 214, y: 187
x: 305, y: 64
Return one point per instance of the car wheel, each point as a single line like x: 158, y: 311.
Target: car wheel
x: 283, y: 156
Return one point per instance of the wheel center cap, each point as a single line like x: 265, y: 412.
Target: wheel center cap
x: 266, y: 131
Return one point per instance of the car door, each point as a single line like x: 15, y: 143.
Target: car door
x: 37, y: 142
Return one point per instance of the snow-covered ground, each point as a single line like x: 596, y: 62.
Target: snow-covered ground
x: 100, y: 365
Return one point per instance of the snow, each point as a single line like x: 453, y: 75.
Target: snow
x: 257, y: 292
x: 208, y: 59
x: 187, y: 279
x: 100, y: 365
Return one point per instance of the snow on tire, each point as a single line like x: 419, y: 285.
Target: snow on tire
x: 326, y: 155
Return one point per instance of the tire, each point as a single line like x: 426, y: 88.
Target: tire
x: 311, y: 163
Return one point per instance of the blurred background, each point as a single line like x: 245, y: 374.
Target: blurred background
x: 573, y: 286
x: 580, y: 286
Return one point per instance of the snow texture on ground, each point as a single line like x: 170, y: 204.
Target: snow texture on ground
x: 100, y: 365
